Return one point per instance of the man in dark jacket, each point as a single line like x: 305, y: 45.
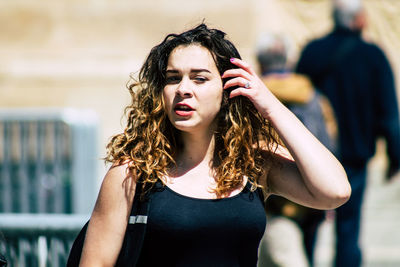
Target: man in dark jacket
x: 357, y: 79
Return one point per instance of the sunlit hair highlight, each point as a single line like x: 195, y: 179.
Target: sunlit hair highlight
x: 149, y: 143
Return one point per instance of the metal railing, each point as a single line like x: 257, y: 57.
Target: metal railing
x: 48, y: 165
x: 48, y: 160
x: 38, y: 240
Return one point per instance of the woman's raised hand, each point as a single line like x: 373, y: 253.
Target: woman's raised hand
x: 250, y: 86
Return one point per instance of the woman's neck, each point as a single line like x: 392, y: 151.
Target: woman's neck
x: 197, y: 149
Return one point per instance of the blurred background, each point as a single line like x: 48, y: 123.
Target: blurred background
x: 63, y: 69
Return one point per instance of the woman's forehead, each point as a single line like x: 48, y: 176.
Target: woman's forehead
x: 191, y: 57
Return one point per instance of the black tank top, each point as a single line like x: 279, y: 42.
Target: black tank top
x: 186, y: 231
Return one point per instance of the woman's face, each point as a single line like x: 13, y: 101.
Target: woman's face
x: 193, y: 90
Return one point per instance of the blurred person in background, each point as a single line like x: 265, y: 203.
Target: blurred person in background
x: 282, y: 244
x: 356, y: 77
x: 200, y: 131
x: 314, y: 111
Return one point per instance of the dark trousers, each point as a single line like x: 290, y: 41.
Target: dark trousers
x: 348, y: 218
x: 309, y: 226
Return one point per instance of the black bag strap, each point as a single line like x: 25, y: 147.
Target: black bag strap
x: 75, y: 253
x: 261, y: 195
x: 3, y: 261
x: 136, y: 228
x: 134, y: 235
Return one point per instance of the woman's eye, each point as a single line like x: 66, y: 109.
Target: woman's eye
x: 200, y: 79
x: 172, y: 79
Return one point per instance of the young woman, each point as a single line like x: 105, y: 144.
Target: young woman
x: 205, y: 127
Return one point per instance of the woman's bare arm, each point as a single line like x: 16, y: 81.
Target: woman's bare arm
x: 109, y: 219
x: 307, y: 172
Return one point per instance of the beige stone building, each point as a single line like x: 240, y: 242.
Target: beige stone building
x: 80, y: 54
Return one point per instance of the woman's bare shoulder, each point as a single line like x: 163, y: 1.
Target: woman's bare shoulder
x: 118, y: 184
x: 109, y: 218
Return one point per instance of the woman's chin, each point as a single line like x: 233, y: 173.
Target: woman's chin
x: 185, y: 126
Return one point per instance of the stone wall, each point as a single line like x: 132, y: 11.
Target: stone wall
x: 70, y: 53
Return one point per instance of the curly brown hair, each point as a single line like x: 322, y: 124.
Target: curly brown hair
x: 150, y: 143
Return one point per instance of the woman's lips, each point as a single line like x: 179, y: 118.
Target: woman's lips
x: 183, y: 113
x: 183, y: 110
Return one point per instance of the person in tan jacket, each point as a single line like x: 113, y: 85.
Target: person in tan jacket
x: 314, y: 111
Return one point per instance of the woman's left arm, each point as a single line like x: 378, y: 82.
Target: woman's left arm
x: 310, y: 175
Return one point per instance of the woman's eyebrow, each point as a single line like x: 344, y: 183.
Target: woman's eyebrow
x: 200, y: 70
x: 173, y: 71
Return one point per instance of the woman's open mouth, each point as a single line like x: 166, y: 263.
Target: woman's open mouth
x: 183, y: 110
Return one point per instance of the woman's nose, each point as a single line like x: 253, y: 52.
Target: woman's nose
x: 184, y: 88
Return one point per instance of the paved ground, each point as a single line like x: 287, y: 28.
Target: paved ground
x: 380, y: 225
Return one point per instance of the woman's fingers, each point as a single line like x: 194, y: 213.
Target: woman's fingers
x: 240, y: 77
x: 238, y: 81
x: 243, y: 65
x: 236, y: 73
x: 244, y: 70
x: 245, y: 82
x: 239, y: 91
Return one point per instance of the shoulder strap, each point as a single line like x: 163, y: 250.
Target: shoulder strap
x: 136, y: 228
x: 134, y: 235
x: 261, y: 195
x: 76, y: 250
x: 3, y: 261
